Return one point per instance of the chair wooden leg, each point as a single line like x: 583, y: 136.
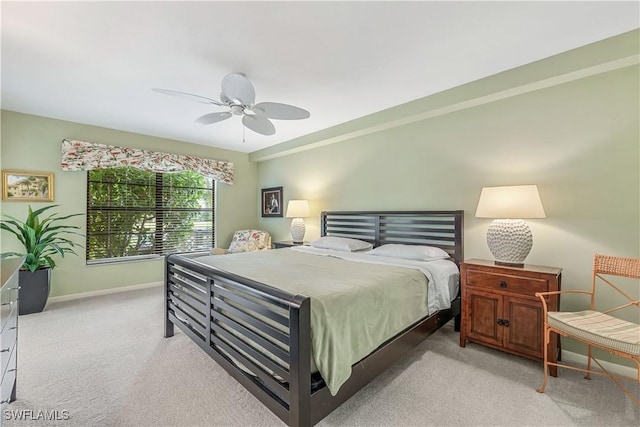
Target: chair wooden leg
x: 545, y: 366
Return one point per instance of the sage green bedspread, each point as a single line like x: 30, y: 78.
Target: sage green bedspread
x: 355, y: 306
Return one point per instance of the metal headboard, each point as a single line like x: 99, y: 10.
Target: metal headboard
x: 442, y: 229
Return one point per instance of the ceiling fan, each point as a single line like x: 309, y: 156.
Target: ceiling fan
x: 239, y: 96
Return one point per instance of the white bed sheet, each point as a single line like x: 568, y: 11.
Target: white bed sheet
x: 443, y: 275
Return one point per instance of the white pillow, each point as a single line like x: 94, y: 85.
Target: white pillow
x: 341, y: 244
x: 414, y: 252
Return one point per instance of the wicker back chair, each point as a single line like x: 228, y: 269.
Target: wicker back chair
x: 599, y: 329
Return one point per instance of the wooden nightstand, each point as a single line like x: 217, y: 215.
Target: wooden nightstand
x: 288, y: 244
x: 500, y: 310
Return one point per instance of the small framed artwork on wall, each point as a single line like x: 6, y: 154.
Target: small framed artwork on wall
x: 272, y: 202
x: 27, y: 186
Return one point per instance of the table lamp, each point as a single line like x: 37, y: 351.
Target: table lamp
x: 297, y: 209
x: 509, y: 237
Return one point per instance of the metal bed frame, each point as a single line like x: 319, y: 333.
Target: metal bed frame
x: 233, y: 318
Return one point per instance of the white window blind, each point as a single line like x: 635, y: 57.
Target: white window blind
x: 135, y: 214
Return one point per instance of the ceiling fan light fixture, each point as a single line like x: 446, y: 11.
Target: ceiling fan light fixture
x: 236, y: 110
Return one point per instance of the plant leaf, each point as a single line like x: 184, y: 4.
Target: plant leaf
x: 41, y: 238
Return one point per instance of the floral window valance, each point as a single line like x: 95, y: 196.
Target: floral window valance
x: 80, y: 155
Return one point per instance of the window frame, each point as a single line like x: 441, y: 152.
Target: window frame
x: 158, y: 209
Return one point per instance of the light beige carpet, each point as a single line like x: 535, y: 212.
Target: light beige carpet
x: 104, y: 361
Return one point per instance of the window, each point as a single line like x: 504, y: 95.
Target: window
x: 134, y: 214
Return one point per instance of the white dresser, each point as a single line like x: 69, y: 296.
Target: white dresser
x: 9, y: 272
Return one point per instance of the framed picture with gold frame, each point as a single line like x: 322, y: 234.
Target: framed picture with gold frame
x: 27, y: 186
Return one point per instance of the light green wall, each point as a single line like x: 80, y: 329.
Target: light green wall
x: 578, y: 141
x: 32, y: 143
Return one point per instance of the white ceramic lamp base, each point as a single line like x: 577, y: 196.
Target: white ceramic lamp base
x: 297, y: 230
x: 510, y: 241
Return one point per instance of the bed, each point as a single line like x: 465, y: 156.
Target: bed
x: 261, y: 334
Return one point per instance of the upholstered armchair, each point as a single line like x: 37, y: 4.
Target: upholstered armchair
x: 246, y: 241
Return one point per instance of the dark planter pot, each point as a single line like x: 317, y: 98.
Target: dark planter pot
x: 34, y: 290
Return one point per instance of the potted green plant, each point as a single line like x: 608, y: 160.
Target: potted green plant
x: 42, y: 239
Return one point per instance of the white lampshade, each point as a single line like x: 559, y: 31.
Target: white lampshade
x: 509, y: 237
x: 516, y: 201
x: 298, y: 209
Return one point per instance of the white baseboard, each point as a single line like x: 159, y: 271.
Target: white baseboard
x: 614, y: 368
x: 104, y: 292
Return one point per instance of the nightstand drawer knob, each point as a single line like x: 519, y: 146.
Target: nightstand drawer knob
x: 503, y: 284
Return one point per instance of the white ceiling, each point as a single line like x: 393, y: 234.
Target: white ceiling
x: 96, y: 63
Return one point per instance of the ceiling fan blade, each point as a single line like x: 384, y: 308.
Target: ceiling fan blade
x: 188, y: 96
x: 207, y: 119
x: 238, y: 89
x: 275, y: 110
x: 260, y: 125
